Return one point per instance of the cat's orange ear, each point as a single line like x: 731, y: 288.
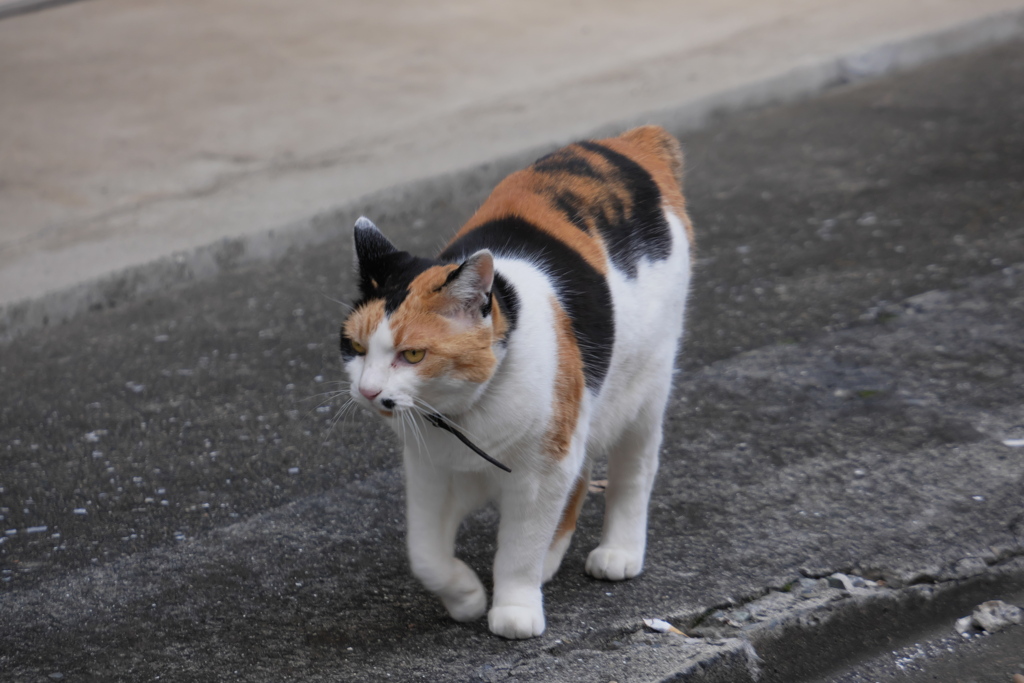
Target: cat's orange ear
x: 469, y: 286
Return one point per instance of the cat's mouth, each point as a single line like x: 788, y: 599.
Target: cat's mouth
x: 386, y: 413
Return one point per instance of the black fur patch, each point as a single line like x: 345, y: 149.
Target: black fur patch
x: 508, y: 302
x: 572, y: 205
x: 451, y: 277
x: 566, y: 161
x: 347, y: 352
x: 388, y: 277
x: 641, y: 232
x: 582, y: 291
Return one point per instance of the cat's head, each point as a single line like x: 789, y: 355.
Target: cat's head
x: 426, y: 335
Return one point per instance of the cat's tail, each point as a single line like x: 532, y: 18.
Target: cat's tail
x: 657, y: 150
x: 658, y: 142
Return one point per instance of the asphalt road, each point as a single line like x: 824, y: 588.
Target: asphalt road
x: 179, y: 502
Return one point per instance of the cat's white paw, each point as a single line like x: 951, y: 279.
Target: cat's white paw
x: 465, y: 599
x: 516, y: 622
x: 467, y: 607
x: 614, y: 564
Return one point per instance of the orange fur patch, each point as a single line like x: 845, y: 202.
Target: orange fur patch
x: 523, y: 195
x: 568, y: 387
x: 362, y: 323
x: 529, y: 194
x: 423, y: 322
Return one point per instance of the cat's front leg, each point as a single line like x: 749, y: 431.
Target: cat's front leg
x: 529, y: 517
x: 437, y: 501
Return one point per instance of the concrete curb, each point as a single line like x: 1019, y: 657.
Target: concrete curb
x: 841, y: 625
x: 207, y: 261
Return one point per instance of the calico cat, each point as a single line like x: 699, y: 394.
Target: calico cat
x: 545, y: 335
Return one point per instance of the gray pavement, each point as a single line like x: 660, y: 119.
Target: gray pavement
x: 852, y: 369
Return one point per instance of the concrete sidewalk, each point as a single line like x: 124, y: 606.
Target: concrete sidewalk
x: 131, y: 131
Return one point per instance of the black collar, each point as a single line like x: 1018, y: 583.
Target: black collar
x: 440, y: 421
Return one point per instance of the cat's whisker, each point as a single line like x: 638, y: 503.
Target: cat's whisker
x: 403, y: 420
x: 419, y: 423
x: 337, y: 383
x: 425, y: 411
x: 334, y: 388
x: 350, y: 408
x: 330, y: 428
x: 345, y: 408
x: 407, y: 426
x: 401, y: 424
x: 428, y: 409
x: 343, y: 304
x: 418, y: 432
x: 342, y: 413
x: 410, y: 417
x: 326, y: 401
x: 342, y: 416
x: 329, y: 394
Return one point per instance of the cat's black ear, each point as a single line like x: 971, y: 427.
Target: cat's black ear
x: 371, y: 252
x: 371, y: 244
x: 470, y: 284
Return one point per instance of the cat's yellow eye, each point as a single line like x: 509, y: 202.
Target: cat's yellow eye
x: 358, y: 348
x: 413, y: 355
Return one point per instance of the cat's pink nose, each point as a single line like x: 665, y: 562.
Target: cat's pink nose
x: 370, y: 394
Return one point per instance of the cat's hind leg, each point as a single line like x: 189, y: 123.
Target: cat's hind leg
x: 567, y: 525
x: 436, y: 503
x: 632, y: 465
